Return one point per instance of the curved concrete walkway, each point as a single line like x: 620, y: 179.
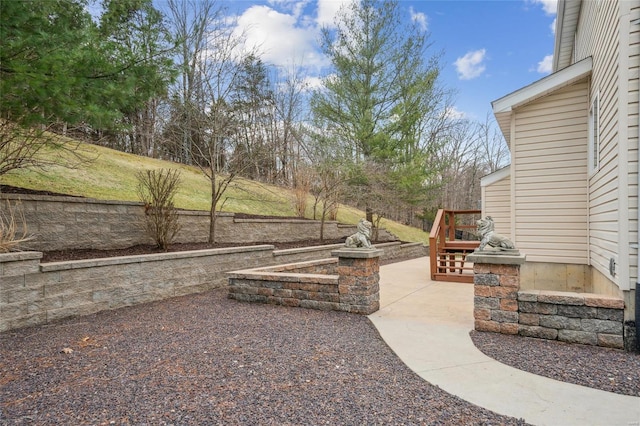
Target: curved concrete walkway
x: 427, y: 324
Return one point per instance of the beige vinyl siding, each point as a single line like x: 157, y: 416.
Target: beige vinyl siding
x: 496, y: 198
x: 598, y: 36
x: 550, y: 188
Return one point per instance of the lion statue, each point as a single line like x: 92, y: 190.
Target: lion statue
x: 362, y: 238
x: 490, y: 238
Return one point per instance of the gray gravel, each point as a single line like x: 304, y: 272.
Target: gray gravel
x: 206, y: 359
x: 610, y: 370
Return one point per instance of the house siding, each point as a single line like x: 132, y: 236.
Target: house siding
x: 550, y: 189
x: 607, y: 34
x: 496, y: 203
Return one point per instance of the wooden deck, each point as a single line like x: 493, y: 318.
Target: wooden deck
x: 448, y: 254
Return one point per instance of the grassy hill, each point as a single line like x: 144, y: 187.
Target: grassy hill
x: 111, y: 175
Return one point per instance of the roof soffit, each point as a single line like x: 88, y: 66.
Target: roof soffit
x: 503, y: 107
x: 496, y: 176
x: 566, y: 25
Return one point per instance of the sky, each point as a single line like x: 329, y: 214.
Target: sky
x: 489, y: 48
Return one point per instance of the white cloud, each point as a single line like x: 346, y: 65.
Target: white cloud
x: 550, y: 7
x: 327, y: 10
x: 553, y: 26
x: 455, y: 114
x: 419, y: 18
x: 279, y: 38
x: 312, y: 83
x: 471, y: 65
x: 295, y: 6
x: 545, y: 66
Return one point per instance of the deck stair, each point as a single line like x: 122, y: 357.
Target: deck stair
x: 450, y: 240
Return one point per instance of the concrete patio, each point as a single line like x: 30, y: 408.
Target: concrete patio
x: 427, y: 324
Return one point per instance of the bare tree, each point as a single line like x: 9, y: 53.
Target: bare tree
x: 289, y: 102
x: 467, y: 151
x: 492, y: 148
x: 331, y: 183
x: 208, y: 124
x: 252, y: 99
x: 193, y: 21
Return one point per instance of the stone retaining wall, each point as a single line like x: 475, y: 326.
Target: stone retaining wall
x: 586, y: 318
x: 311, y: 284
x: 349, y: 283
x: 500, y: 307
x: 60, y: 223
x: 33, y: 293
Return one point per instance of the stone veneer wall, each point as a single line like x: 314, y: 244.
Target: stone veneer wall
x: 311, y: 284
x: 348, y: 284
x: 496, y: 297
x: 584, y: 318
x: 60, y: 223
x: 33, y: 293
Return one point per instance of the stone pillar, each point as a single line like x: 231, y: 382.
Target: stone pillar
x: 496, y: 282
x: 359, y: 279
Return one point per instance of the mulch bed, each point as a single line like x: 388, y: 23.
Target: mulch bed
x: 206, y: 359
x: 77, y: 254
x: 610, y: 370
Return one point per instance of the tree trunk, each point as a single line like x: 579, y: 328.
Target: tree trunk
x: 212, y: 213
x: 324, y: 214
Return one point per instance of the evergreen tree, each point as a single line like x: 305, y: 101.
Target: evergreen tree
x: 59, y: 66
x: 379, y: 98
x: 51, y: 67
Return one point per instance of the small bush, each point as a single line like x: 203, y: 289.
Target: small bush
x: 301, y: 188
x: 13, y: 227
x: 156, y: 189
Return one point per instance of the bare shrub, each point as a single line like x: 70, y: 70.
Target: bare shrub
x: 301, y: 189
x: 13, y: 227
x: 156, y: 189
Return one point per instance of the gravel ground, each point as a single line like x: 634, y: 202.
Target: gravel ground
x: 206, y: 359
x: 610, y: 370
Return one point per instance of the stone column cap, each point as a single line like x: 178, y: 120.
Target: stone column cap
x: 357, y: 253
x: 496, y: 259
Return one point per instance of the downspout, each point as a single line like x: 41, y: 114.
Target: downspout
x: 637, y: 307
x: 637, y: 245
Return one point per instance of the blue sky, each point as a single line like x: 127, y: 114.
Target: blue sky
x: 491, y: 48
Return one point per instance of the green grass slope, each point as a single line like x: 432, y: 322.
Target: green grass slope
x: 111, y: 175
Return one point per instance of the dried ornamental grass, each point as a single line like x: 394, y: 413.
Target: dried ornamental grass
x: 13, y: 227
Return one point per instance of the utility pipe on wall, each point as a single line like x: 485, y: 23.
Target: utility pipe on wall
x: 637, y: 307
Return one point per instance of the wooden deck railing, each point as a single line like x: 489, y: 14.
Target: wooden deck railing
x: 450, y: 240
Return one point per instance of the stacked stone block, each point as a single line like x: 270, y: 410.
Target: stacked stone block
x: 306, y: 291
x: 499, y: 307
x: 585, y: 318
x: 496, y: 297
x: 359, y: 280
x: 355, y: 288
x: 34, y: 293
x: 62, y: 223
